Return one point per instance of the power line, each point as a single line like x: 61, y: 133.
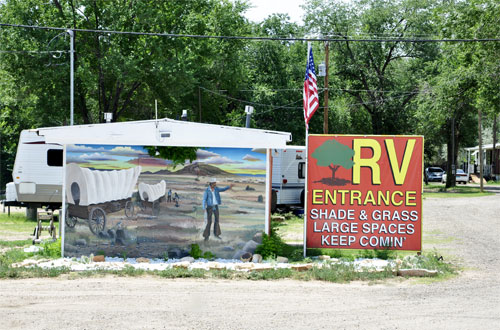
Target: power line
x: 319, y: 89
x: 289, y: 107
x: 33, y: 51
x: 244, y: 101
x: 254, y: 38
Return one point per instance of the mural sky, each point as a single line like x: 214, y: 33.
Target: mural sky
x: 239, y: 161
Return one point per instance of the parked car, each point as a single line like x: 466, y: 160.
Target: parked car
x: 460, y: 176
x: 434, y: 174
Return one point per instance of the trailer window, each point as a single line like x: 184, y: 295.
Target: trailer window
x: 302, y: 172
x: 55, y: 157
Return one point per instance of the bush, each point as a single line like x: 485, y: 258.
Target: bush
x: 182, y: 273
x: 274, y: 274
x: 197, y: 253
x: 431, y: 261
x: 273, y: 246
x: 51, y: 249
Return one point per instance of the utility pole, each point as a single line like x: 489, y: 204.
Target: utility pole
x: 199, y: 101
x: 325, y: 115
x: 71, y: 70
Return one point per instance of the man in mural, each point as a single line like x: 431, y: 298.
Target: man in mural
x: 211, y: 202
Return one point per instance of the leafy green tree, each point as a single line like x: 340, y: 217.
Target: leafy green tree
x: 275, y: 79
x: 465, y: 77
x: 124, y: 74
x: 178, y: 155
x: 333, y: 154
x: 121, y: 74
x: 380, y: 79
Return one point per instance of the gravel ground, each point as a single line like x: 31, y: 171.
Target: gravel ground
x: 465, y: 231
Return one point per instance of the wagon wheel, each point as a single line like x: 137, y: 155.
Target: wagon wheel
x: 155, y: 208
x: 129, y: 209
x: 141, y: 205
x: 70, y: 220
x: 97, y: 220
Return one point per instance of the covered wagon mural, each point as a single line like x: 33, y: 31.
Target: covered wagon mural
x: 121, y: 201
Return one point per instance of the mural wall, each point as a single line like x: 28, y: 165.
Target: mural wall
x: 122, y: 202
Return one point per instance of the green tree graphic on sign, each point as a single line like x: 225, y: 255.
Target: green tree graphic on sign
x: 333, y: 155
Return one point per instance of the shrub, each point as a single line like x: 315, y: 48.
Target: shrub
x: 273, y: 274
x: 182, y: 272
x: 197, y: 253
x: 51, y: 249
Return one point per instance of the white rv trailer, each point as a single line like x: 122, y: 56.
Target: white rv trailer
x: 37, y: 174
x: 38, y: 171
x: 288, y: 179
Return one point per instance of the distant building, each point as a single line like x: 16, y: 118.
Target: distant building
x: 491, y: 161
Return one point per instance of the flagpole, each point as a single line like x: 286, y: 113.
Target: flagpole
x: 305, y: 191
x: 306, y: 176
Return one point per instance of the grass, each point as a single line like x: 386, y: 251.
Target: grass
x: 332, y: 272
x: 291, y: 229
x: 439, y: 191
x: 493, y: 183
x: 16, y: 223
x: 18, y: 243
x: 437, y: 240
x: 13, y: 225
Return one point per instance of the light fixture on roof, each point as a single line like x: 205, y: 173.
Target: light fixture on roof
x: 248, y: 111
x: 184, y: 115
x: 108, y: 117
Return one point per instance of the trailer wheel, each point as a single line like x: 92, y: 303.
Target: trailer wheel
x: 70, y: 220
x: 274, y: 201
x: 129, y: 209
x: 97, y: 220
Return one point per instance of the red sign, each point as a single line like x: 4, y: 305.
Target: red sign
x: 364, y: 192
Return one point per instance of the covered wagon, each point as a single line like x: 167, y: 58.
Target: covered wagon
x: 91, y: 194
x: 149, y: 197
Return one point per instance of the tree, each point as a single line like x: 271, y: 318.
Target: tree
x: 121, y: 74
x: 466, y: 76
x: 178, y: 155
x: 333, y: 154
x: 124, y: 74
x: 380, y: 78
x: 275, y: 79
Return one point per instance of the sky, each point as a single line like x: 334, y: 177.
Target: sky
x: 107, y: 157
x: 264, y: 8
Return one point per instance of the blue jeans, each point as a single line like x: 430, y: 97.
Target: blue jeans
x: 215, y: 210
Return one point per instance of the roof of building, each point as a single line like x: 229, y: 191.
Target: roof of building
x: 484, y: 147
x: 165, y: 132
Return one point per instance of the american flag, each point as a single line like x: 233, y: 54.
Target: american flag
x: 311, y: 101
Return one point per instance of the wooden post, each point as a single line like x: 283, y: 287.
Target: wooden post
x: 325, y: 115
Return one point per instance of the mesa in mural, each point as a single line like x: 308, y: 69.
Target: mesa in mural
x: 121, y: 201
